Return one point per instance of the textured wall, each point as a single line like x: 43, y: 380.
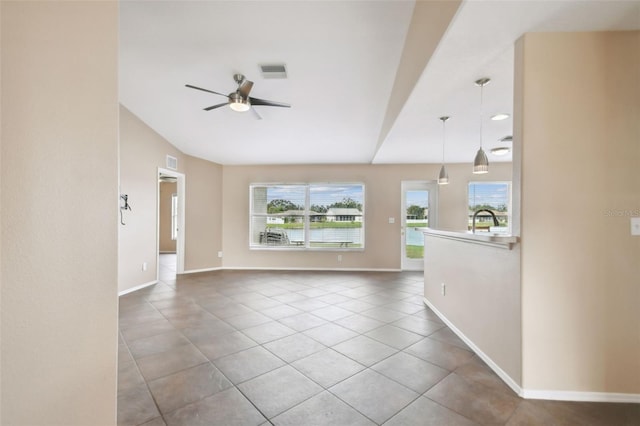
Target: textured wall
x: 59, y: 212
x: 580, y: 186
x: 382, y: 201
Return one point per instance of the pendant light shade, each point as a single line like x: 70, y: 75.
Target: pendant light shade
x: 481, y: 162
x: 443, y: 177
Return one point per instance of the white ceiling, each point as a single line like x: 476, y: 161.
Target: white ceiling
x: 342, y: 58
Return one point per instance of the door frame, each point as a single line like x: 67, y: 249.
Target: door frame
x: 407, y: 264
x: 180, y: 241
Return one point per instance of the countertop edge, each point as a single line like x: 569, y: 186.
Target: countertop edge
x: 503, y: 241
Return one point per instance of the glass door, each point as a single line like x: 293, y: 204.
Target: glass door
x: 419, y: 210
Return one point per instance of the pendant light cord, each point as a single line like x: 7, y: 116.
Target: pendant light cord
x: 444, y: 138
x: 481, y: 88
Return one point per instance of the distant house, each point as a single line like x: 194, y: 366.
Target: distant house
x: 275, y: 220
x: 344, y: 215
x: 484, y: 217
x: 291, y: 216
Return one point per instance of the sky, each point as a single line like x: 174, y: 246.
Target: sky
x: 417, y: 198
x: 320, y: 194
x: 492, y: 193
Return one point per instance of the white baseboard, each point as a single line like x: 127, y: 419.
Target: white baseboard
x: 495, y: 367
x: 265, y: 268
x: 195, y: 271
x: 633, y: 398
x: 138, y: 287
x: 532, y: 393
x: 269, y: 268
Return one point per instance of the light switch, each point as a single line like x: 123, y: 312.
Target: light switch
x: 392, y: 220
x: 635, y: 226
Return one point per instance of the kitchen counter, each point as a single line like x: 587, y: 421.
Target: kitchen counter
x: 485, y: 238
x: 472, y: 282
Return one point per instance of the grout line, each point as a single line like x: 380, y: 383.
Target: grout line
x: 195, y: 297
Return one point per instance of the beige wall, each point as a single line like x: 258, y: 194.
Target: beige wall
x: 579, y: 96
x: 142, y: 151
x: 203, y: 214
x: 382, y: 201
x: 59, y: 212
x: 167, y: 189
x: 482, y: 297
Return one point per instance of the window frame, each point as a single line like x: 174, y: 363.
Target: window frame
x: 174, y: 217
x: 306, y: 245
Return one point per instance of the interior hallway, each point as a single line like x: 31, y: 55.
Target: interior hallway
x: 301, y: 348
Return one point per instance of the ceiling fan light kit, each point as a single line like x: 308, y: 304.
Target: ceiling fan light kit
x: 240, y: 100
x: 238, y: 103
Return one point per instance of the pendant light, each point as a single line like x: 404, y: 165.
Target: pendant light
x: 443, y: 177
x: 481, y: 162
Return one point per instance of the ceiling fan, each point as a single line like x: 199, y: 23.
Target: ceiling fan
x: 240, y: 100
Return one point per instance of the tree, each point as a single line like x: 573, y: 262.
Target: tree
x: 279, y: 206
x: 498, y: 208
x: 416, y: 211
x: 318, y: 209
x: 347, y: 203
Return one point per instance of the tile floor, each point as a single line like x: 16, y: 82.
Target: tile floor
x: 311, y: 348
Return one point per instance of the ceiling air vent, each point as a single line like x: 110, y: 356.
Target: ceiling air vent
x: 172, y: 163
x: 273, y: 70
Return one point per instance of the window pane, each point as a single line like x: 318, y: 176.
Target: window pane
x: 336, y: 216
x: 278, y: 215
x: 492, y: 196
x: 417, y: 216
x: 307, y: 216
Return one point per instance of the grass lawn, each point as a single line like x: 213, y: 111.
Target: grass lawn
x: 415, y: 252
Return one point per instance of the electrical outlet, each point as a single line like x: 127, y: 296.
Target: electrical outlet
x: 219, y: 254
x: 339, y: 258
x: 635, y: 226
x: 144, y: 266
x: 443, y: 289
x: 392, y: 220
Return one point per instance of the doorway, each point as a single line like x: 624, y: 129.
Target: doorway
x: 419, y: 210
x: 170, y: 220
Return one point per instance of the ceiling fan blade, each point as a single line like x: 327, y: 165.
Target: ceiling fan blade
x: 205, y: 90
x: 245, y: 88
x: 256, y: 114
x: 216, y: 106
x: 256, y: 101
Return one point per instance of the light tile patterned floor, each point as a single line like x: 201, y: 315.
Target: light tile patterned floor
x: 311, y: 348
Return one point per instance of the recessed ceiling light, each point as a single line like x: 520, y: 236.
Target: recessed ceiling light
x: 506, y: 139
x: 503, y: 150
x: 501, y: 116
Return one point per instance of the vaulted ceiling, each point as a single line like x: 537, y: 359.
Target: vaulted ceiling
x: 367, y: 80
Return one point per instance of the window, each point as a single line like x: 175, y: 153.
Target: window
x: 492, y: 196
x: 318, y: 216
